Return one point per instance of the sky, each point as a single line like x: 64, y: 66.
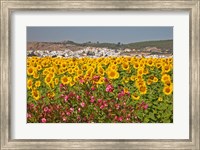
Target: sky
x: 101, y: 34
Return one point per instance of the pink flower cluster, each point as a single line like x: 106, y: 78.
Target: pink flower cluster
x: 109, y: 88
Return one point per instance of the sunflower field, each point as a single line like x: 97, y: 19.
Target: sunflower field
x: 99, y: 90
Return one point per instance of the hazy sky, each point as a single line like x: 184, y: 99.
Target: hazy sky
x: 101, y: 34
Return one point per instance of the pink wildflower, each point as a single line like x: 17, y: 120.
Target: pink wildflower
x: 61, y: 85
x: 46, y: 109
x: 81, y: 81
x: 93, y: 88
x: 102, y: 106
x: 68, y: 113
x: 117, y: 106
x: 71, y: 109
x: 145, y: 106
x: 78, y: 97
x: 43, y: 120
x: 79, y: 109
x: 120, y: 119
x: 92, y: 99
x: 106, y: 80
x: 64, y: 118
x: 82, y: 104
x: 29, y: 115
x: 109, y: 88
x: 66, y: 98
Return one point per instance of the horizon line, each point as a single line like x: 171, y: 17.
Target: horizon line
x: 99, y: 41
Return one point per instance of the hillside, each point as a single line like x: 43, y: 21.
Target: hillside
x: 163, y: 45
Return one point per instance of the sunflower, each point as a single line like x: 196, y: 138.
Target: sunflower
x: 155, y: 79
x: 143, y: 89
x: 149, y: 81
x: 168, y: 82
x: 44, y: 63
x: 132, y: 78
x: 100, y: 71
x: 48, y: 80
x: 35, y: 75
x: 90, y: 71
x: 112, y: 74
x: 126, y: 90
x: 166, y: 68
x: 30, y: 71
x: 70, y: 71
x: 136, y: 65
x: 51, y: 94
x: 29, y: 83
x: 135, y: 96
x: 66, y: 80
x: 60, y: 71
x: 37, y: 83
x: 45, y: 72
x: 167, y: 90
x: 75, y: 78
x: 56, y: 81
x: 52, y: 85
x: 79, y: 72
x: 140, y: 83
x: 84, y: 67
x: 145, y: 71
x: 35, y: 94
x: 39, y: 67
x: 165, y: 77
x: 125, y: 66
x: 118, y: 61
x: 126, y: 79
x: 150, y: 62
x: 160, y: 99
x: 71, y: 83
x: 158, y: 65
x: 140, y: 71
x: 64, y: 65
x: 101, y: 80
x: 113, y: 66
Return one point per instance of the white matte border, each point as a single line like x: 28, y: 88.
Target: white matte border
x: 179, y: 129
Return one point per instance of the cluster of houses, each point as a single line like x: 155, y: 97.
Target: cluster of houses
x: 98, y: 52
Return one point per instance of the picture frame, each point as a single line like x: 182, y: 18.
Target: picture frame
x: 9, y: 7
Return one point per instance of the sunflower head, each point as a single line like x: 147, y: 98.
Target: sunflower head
x: 143, y: 89
x: 66, y: 80
x: 48, y: 80
x: 56, y: 81
x: 135, y: 96
x: 167, y: 90
x: 30, y: 71
x: 165, y: 77
x: 35, y: 94
x: 112, y: 74
x: 37, y: 84
x: 29, y: 83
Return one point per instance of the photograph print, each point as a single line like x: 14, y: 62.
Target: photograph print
x: 94, y: 74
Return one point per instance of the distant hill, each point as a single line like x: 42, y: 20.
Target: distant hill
x: 162, y: 44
